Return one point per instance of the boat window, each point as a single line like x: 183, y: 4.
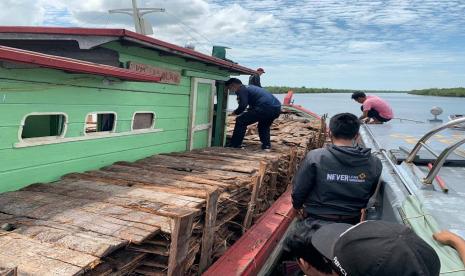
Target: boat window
x: 143, y: 120
x: 43, y: 125
x: 100, y: 122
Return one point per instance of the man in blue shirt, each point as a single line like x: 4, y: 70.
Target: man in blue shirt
x: 264, y: 108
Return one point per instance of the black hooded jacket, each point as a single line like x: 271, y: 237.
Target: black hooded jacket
x: 336, y: 180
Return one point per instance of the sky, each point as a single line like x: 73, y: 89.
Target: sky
x: 363, y: 44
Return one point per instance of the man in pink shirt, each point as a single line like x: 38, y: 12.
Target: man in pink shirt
x: 375, y: 110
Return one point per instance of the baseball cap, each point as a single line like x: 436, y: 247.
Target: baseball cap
x: 375, y: 248
x: 261, y: 69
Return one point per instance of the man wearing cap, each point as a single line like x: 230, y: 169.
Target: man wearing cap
x: 335, y: 183
x: 375, y: 248
x: 255, y: 78
x: 264, y: 108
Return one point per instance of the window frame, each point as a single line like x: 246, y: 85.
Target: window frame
x: 49, y: 140
x: 152, y: 127
x: 35, y: 140
x: 100, y: 133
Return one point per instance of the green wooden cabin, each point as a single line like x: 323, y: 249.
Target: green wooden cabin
x: 73, y: 100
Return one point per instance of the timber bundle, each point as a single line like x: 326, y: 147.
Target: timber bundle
x: 168, y: 214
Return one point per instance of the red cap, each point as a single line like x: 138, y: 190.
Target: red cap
x: 261, y: 69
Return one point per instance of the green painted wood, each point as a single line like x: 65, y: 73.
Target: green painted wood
x: 14, y: 159
x: 202, y: 114
x: 76, y: 113
x: 14, y: 180
x: 21, y: 92
x: 154, y: 58
x: 48, y: 78
x: 197, y: 74
x: 220, y: 118
x: 204, y: 102
x: 200, y: 139
x: 24, y: 91
x: 9, y: 135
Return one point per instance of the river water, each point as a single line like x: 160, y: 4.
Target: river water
x: 405, y: 106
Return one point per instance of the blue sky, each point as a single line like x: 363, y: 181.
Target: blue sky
x: 394, y: 45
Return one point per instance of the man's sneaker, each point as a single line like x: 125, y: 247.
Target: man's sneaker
x: 234, y: 147
x: 266, y: 148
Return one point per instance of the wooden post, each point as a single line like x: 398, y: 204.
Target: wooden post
x: 209, y: 230
x: 292, y: 165
x: 8, y: 271
x: 322, y: 132
x: 274, y: 176
x: 255, y: 192
x: 179, y: 247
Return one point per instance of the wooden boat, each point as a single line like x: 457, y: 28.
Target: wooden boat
x: 422, y: 187
x: 119, y: 131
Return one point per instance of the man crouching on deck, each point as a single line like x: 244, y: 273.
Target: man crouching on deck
x: 335, y: 183
x: 375, y: 110
x: 264, y: 108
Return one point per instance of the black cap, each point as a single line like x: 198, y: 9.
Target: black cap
x: 376, y: 248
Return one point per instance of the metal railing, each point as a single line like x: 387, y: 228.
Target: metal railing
x: 388, y: 159
x: 440, y: 158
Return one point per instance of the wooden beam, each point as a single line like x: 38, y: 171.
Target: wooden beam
x: 255, y: 192
x: 209, y: 229
x: 72, y: 65
x: 292, y: 165
x: 193, y: 106
x: 8, y: 271
x: 203, y: 75
x: 179, y: 248
x: 273, y: 179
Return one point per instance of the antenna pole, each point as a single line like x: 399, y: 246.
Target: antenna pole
x: 137, y: 14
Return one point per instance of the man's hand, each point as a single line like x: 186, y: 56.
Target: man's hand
x: 300, y: 214
x: 451, y: 239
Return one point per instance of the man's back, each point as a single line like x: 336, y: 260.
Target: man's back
x: 255, y: 80
x: 379, y: 105
x: 257, y: 98
x: 336, y: 181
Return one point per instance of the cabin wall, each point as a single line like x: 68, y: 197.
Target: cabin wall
x: 25, y: 91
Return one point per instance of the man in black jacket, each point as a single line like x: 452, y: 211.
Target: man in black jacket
x: 264, y: 108
x: 255, y: 78
x: 335, y: 183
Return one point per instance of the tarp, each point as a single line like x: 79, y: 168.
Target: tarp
x: 425, y: 226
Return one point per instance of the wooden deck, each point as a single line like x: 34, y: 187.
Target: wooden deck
x: 169, y: 214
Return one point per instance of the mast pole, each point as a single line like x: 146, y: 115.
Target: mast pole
x: 136, y: 17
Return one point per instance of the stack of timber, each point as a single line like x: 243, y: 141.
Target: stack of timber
x: 292, y: 136
x: 8, y: 271
x: 168, y: 214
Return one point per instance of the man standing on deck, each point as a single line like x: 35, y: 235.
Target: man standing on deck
x: 334, y: 184
x: 255, y: 78
x: 375, y: 110
x: 264, y: 108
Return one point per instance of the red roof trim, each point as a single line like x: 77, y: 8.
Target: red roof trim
x: 247, y: 256
x: 125, y: 33
x: 73, y: 65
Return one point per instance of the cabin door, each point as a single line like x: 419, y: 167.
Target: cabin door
x: 201, y: 117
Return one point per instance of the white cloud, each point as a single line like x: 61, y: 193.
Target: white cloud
x: 327, y: 42
x: 364, y: 46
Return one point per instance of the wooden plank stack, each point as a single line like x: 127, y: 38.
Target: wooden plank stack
x: 292, y: 136
x: 169, y: 214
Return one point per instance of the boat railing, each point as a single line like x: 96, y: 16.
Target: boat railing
x: 441, y: 157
